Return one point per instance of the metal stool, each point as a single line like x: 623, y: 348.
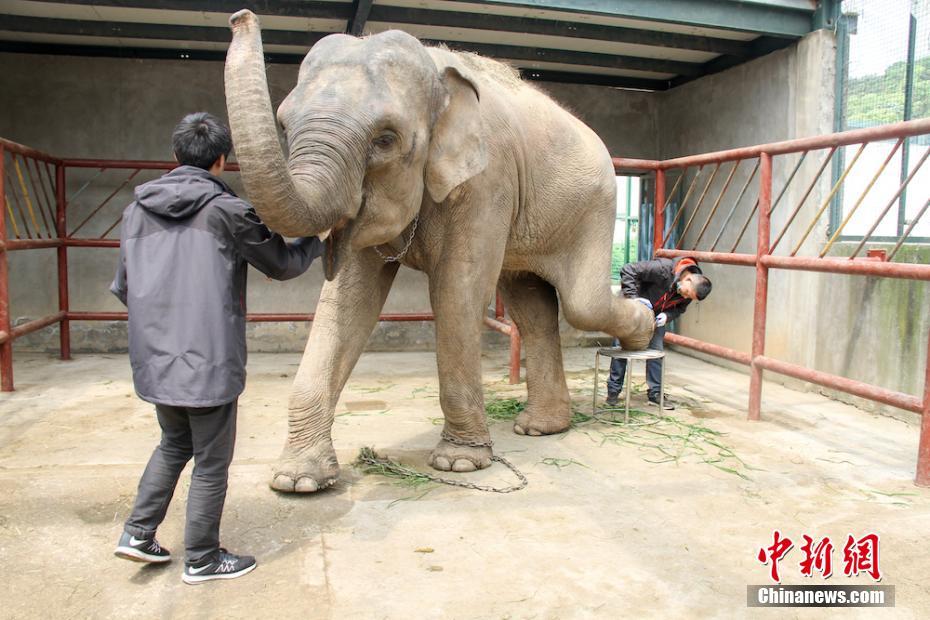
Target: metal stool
x: 629, y: 356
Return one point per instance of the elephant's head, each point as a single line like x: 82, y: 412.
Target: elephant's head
x: 369, y: 125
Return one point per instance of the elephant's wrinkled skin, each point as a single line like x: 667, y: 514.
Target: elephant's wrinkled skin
x: 511, y: 190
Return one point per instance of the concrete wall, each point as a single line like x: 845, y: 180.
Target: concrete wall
x: 113, y: 108
x: 863, y: 328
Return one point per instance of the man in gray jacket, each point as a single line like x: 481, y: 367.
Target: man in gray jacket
x: 185, y: 245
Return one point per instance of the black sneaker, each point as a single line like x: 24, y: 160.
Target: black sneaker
x: 141, y: 549
x: 223, y: 565
x: 612, y: 399
x: 667, y: 404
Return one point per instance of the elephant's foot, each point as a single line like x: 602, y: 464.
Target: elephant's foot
x: 536, y: 421
x: 638, y: 330
x: 447, y: 456
x: 305, y: 471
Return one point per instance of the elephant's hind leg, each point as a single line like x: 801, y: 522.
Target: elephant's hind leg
x: 534, y: 307
x: 345, y: 316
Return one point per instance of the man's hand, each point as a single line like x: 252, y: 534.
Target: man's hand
x: 661, y: 319
x: 645, y: 302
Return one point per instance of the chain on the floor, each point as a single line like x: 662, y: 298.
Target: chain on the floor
x: 368, y: 456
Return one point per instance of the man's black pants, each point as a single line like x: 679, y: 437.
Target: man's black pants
x: 209, y: 436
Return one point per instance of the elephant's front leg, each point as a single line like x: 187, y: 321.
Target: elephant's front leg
x: 345, y: 316
x: 459, y: 293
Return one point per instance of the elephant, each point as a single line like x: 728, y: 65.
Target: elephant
x: 448, y: 163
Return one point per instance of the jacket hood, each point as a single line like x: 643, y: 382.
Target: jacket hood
x: 181, y: 193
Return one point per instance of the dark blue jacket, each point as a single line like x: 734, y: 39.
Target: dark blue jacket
x: 184, y: 245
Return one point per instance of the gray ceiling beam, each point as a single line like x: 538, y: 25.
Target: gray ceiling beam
x: 360, y: 12
x: 306, y: 39
x: 133, y: 30
x: 218, y: 56
x: 484, y: 21
x: 782, y: 18
x: 610, y: 61
x: 282, y: 8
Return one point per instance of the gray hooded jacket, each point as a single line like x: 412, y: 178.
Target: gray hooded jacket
x: 184, y: 245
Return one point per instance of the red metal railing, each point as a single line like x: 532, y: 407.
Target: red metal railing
x: 763, y: 258
x: 33, y: 201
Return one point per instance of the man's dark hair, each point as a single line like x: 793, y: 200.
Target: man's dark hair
x: 702, y: 287
x: 200, y: 139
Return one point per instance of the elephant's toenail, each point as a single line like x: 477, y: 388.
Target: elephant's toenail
x: 442, y: 463
x: 518, y: 429
x: 463, y: 465
x: 306, y: 485
x: 282, y: 482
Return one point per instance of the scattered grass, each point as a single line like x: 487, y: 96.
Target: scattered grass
x: 369, y: 462
x: 502, y: 409
x: 372, y: 390
x: 560, y: 463
x: 664, y: 439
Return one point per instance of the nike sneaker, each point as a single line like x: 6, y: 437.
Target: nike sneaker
x: 222, y: 565
x: 141, y: 549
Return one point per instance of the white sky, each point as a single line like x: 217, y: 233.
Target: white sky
x: 881, y: 38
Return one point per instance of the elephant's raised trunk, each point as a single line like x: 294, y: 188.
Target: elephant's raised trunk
x: 295, y: 206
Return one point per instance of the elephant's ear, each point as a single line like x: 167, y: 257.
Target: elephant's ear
x: 456, y: 151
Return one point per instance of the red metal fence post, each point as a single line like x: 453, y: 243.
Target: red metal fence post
x: 659, y: 212
x: 762, y: 284
x: 923, y: 451
x: 62, y: 233
x: 6, y: 347
x: 514, y: 353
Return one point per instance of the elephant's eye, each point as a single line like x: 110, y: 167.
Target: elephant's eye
x: 385, y: 141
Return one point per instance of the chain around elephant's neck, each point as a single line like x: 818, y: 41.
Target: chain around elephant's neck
x: 402, y: 253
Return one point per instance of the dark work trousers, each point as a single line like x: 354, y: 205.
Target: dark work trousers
x: 653, y: 367
x: 209, y: 436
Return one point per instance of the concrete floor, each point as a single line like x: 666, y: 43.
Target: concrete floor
x: 602, y: 531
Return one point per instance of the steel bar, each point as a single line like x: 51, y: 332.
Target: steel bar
x: 113, y: 164
x: 739, y: 199
x: 804, y: 198
x: 674, y: 187
x: 254, y: 318
x: 923, y: 450
x: 31, y: 326
x: 87, y: 184
x: 19, y: 207
x: 742, y: 231
x: 722, y: 258
x: 910, y: 228
x: 787, y: 184
x: 891, y: 131
x: 498, y: 306
x: 25, y: 194
x: 829, y: 199
x: 9, y: 212
x: 104, y: 203
x: 762, y: 284
x: 881, y: 216
x: 850, y: 386
x: 713, y: 210
x: 868, y: 188
x: 859, y: 267
x: 681, y: 207
x: 92, y: 243
x: 706, y: 347
x: 658, y: 224
x: 6, y: 347
x: 697, y: 207
x: 112, y: 226
x: 626, y: 163
x: 30, y: 244
x: 515, y: 345
x: 61, y: 227
x: 13, y: 147
x: 38, y: 198
x: 45, y: 203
